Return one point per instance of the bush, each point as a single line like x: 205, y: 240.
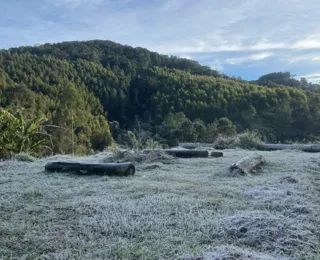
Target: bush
x: 245, y: 140
x: 138, y: 157
x: 152, y: 144
x: 248, y: 140
x: 224, y: 142
x: 23, y: 157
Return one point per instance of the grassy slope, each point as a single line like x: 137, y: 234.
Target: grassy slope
x: 190, y: 207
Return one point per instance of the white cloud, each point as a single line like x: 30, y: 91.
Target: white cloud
x: 73, y: 3
x: 232, y: 32
x: 253, y: 57
x: 313, y: 57
x: 186, y: 57
x: 311, y: 42
x: 216, y: 65
x: 314, y: 80
x: 313, y: 77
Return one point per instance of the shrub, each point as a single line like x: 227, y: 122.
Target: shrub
x: 114, y: 148
x: 223, y: 142
x: 19, y: 135
x: 23, y: 157
x: 245, y: 140
x: 34, y: 193
x: 152, y: 144
x: 136, y: 140
x: 248, y: 140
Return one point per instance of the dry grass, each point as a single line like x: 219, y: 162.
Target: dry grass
x: 189, y: 209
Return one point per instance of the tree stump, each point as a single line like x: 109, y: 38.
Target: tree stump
x: 247, y: 164
x: 116, y: 169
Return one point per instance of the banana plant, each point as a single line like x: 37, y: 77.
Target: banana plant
x: 19, y: 135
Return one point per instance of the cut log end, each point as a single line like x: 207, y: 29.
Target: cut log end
x: 216, y: 154
x: 247, y: 164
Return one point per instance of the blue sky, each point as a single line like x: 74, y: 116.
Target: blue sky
x: 246, y: 38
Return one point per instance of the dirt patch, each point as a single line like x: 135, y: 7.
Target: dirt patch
x: 289, y: 179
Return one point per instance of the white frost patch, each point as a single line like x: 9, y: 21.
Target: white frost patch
x: 266, y: 193
x: 169, y: 208
x: 270, y: 232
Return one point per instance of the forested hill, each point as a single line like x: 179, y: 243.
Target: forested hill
x: 115, y: 56
x: 80, y: 86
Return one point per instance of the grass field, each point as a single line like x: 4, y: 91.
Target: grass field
x: 170, y: 209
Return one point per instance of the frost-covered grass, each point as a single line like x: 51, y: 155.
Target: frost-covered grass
x: 189, y: 209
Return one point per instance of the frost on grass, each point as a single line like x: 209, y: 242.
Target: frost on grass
x: 238, y: 253
x: 23, y: 157
x: 188, y: 207
x: 270, y: 233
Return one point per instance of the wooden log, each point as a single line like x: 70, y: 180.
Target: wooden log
x: 195, y: 145
x: 183, y: 153
x: 247, y: 164
x: 300, y: 147
x: 216, y: 154
x: 118, y: 169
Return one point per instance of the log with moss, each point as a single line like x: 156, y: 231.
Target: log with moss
x: 117, y: 169
x: 183, y: 153
x: 247, y: 164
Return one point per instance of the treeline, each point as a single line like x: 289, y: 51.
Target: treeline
x: 175, y: 128
x: 80, y: 86
x: 286, y: 79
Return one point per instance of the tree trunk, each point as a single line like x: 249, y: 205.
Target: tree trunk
x: 247, y: 164
x: 183, y: 153
x: 118, y: 169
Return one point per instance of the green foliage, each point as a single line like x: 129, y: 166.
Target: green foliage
x: 225, y: 127
x: 78, y: 86
x: 200, y: 129
x: 211, y: 133
x: 137, y: 140
x: 248, y: 140
x: 34, y: 193
x: 152, y: 144
x: 19, y: 135
x: 188, y: 131
x: 224, y: 142
x: 23, y: 157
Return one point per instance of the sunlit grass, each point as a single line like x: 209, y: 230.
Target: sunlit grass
x: 190, y: 207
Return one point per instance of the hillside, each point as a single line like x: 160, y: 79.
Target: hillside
x: 187, y: 208
x: 80, y: 86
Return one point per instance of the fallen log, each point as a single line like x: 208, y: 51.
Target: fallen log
x: 247, y: 164
x: 300, y: 147
x: 182, y: 153
x: 118, y: 169
x: 195, y: 145
x: 216, y: 154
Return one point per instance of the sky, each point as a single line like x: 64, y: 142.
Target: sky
x: 246, y: 38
